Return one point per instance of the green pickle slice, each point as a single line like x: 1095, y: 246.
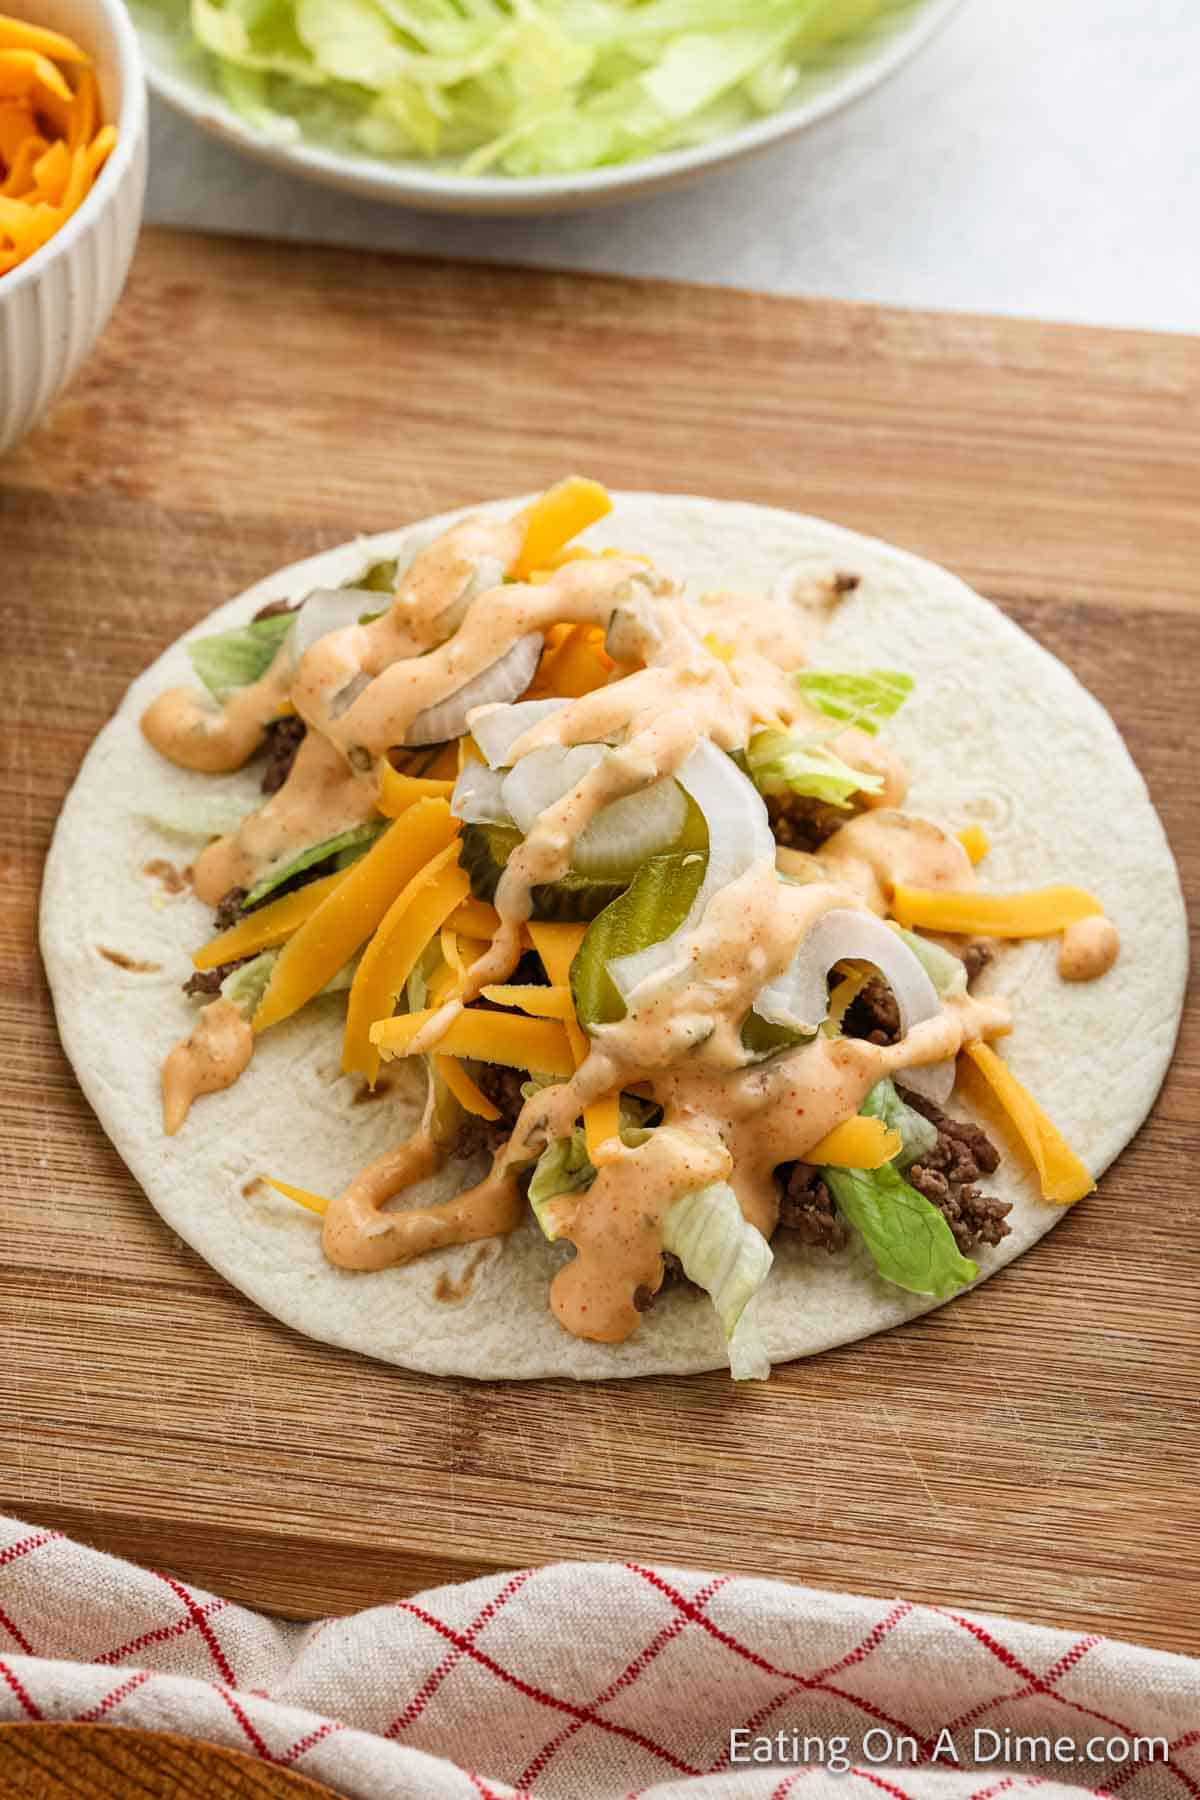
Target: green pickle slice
x: 651, y: 908
x: 485, y: 849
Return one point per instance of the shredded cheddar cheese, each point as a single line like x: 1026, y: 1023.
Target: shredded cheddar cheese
x: 350, y: 915
x: 315, y: 1203
x: 448, y: 984
x: 858, y: 1143
x: 560, y: 515
x: 558, y: 945
x: 397, y: 792
x: 542, y: 1002
x: 1063, y: 1177
x: 602, y: 1128
x: 52, y: 144
x: 1039, y: 913
x: 415, y: 916
x: 975, y: 841
x: 476, y: 919
x: 469, y: 1097
x: 267, y: 926
x: 577, y: 665
x: 539, y: 1045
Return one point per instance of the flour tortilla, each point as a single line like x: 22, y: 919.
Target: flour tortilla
x: 998, y: 732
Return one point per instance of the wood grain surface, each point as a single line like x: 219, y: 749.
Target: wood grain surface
x: 1030, y: 1449
x: 113, y: 1762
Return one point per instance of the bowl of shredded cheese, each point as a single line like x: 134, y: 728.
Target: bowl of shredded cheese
x: 72, y: 183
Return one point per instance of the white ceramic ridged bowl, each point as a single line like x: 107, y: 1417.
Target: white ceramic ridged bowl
x: 54, y: 306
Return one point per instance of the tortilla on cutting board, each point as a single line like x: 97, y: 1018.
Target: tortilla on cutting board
x: 997, y: 732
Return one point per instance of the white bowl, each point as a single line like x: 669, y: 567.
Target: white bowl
x: 178, y: 71
x: 54, y: 306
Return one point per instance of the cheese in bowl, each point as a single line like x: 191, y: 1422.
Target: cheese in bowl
x: 53, y: 138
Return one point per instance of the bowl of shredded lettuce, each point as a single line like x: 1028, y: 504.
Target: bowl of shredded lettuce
x: 518, y: 105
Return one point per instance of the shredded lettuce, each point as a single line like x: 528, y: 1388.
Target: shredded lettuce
x: 201, y: 816
x: 347, y: 846
x: 780, y: 761
x: 918, y: 1135
x: 565, y: 1168
x: 233, y: 659
x: 946, y: 971
x: 247, y: 984
x: 730, y: 1259
x: 909, y: 1240
x: 520, y: 87
x: 861, y: 700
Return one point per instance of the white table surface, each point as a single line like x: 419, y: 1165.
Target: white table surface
x: 1039, y: 157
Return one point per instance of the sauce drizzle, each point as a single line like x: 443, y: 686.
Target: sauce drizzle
x: 721, y: 671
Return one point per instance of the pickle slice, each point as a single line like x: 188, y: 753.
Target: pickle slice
x: 380, y: 578
x: 651, y: 908
x: 484, y: 851
x: 762, y: 1038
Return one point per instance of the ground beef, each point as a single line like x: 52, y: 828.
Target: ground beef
x: 800, y: 822
x: 806, y: 1207
x: 976, y: 956
x: 673, y: 1276
x: 476, y: 1136
x: 275, y: 609
x: 502, y: 1086
x: 947, y: 1176
x: 283, y: 738
x: 873, y: 1014
x: 205, y: 984
x: 229, y: 910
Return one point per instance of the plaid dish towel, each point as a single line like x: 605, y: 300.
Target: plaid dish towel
x: 600, y: 1681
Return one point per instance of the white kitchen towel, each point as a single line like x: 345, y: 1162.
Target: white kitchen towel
x: 602, y: 1681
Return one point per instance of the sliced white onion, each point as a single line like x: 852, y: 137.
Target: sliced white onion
x: 501, y: 681
x: 497, y: 729
x: 627, y: 831
x: 541, y: 779
x: 799, y: 998
x: 934, y: 1081
x: 619, y: 837
x: 326, y: 610
x: 487, y: 574
x: 739, y: 834
x: 345, y: 697
x: 633, y: 632
x: 477, y: 799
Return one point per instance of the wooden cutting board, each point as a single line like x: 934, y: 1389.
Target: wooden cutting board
x: 113, y: 1762
x: 1031, y: 1449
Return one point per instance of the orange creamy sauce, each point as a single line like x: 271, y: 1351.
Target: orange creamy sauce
x: 1088, y: 949
x: 360, y: 688
x: 211, y: 1058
